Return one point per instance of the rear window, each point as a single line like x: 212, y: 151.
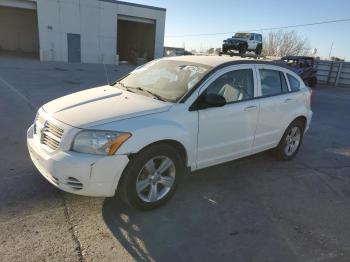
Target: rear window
x: 294, y: 83
x: 273, y: 82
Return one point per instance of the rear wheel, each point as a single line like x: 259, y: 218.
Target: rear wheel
x: 258, y: 50
x: 290, y: 142
x: 151, y: 177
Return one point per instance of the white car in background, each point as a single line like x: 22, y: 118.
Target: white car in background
x: 140, y: 135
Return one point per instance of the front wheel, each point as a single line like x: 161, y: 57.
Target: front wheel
x: 151, y: 177
x: 242, y: 49
x: 290, y: 142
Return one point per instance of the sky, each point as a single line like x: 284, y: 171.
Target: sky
x: 197, y: 17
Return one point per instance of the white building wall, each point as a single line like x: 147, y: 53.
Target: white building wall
x: 95, y: 21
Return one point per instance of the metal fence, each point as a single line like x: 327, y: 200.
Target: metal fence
x: 333, y: 73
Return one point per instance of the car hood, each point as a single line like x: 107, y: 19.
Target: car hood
x: 236, y: 39
x: 102, y: 105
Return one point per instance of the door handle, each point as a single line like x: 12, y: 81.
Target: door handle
x: 288, y: 100
x: 250, y: 108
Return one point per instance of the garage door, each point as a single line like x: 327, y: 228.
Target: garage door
x: 135, y: 38
x: 19, y: 30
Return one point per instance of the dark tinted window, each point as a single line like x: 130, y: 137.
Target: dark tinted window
x: 294, y: 83
x: 272, y: 82
x: 258, y: 38
x: 235, y: 86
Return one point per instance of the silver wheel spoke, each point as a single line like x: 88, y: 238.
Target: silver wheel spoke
x: 292, y: 141
x: 156, y: 179
x: 150, y: 166
x: 167, y: 181
x: 166, y: 163
x: 152, y: 196
x: 294, y: 131
x: 142, y: 185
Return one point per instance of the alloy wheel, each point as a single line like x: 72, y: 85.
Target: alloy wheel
x: 155, y: 179
x: 292, y: 141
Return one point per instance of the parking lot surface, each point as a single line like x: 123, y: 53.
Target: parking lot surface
x: 253, y: 209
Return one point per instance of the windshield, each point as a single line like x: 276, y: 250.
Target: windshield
x: 242, y: 35
x: 166, y: 79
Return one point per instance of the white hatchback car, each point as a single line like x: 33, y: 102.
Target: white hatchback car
x: 138, y: 136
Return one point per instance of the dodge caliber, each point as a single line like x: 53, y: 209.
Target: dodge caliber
x: 137, y: 137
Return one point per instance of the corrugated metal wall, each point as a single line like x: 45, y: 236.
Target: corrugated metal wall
x: 333, y: 73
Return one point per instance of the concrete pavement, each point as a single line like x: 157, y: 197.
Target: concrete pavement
x: 253, y: 209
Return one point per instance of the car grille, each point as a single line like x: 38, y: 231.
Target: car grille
x: 51, y: 135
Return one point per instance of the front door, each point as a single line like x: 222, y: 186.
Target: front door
x: 252, y: 43
x: 227, y: 132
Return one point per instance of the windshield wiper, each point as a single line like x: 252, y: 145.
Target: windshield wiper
x: 149, y: 92
x: 125, y: 87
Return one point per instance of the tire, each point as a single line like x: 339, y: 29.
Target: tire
x: 242, y: 49
x: 281, y: 152
x: 137, y: 172
x: 258, y: 50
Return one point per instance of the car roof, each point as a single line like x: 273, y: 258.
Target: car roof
x: 221, y: 61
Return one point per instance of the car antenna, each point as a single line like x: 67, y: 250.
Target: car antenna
x: 107, y: 78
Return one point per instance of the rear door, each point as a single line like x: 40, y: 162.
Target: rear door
x: 276, y: 103
x: 227, y: 132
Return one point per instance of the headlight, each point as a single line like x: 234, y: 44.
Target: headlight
x: 99, y: 142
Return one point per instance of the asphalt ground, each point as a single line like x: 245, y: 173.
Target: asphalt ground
x: 252, y: 209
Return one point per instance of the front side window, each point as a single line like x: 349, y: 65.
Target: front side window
x: 234, y: 86
x: 294, y: 83
x: 167, y: 79
x: 273, y: 82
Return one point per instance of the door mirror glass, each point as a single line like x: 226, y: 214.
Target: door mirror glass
x: 214, y: 100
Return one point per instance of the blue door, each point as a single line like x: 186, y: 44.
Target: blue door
x: 73, y: 43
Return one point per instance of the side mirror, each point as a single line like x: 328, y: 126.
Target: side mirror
x: 214, y: 100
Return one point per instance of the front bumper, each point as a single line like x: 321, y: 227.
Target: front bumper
x: 230, y: 46
x: 77, y: 173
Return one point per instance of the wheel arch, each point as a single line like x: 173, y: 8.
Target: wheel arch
x: 176, y: 144
x: 171, y: 142
x: 302, y: 119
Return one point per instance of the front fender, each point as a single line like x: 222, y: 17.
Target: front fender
x: 149, y: 129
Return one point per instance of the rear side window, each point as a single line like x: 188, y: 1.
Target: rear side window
x: 273, y: 82
x: 294, y: 83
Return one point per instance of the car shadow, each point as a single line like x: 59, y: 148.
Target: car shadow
x: 216, y: 213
